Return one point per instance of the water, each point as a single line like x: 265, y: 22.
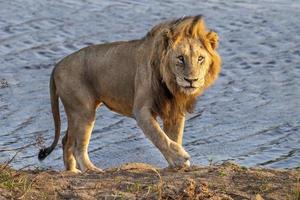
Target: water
x: 251, y: 115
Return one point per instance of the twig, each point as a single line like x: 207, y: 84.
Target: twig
x: 19, y: 148
x: 27, y: 166
x: 8, y: 162
x: 197, y: 115
x: 160, y: 185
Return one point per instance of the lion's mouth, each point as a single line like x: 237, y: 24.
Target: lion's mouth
x: 190, y: 87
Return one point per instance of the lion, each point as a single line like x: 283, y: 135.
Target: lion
x: 160, y: 75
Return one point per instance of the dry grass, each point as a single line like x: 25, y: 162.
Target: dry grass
x: 141, y: 181
x: 13, y: 182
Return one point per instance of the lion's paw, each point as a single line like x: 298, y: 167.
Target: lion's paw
x: 73, y: 171
x: 90, y: 168
x: 177, y: 156
x: 94, y: 170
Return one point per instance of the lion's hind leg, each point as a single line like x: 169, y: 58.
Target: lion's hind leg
x: 80, y: 126
x: 69, y: 159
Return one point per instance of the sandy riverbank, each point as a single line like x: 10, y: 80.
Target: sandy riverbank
x: 140, y: 181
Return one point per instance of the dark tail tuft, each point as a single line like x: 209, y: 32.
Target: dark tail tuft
x: 44, y: 153
x: 55, y: 111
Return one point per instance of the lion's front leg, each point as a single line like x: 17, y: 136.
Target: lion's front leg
x: 173, y: 152
x: 174, y: 128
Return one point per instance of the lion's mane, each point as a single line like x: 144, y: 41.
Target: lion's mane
x: 168, y: 98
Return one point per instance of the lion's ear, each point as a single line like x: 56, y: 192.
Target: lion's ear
x: 161, y: 44
x: 166, y: 38
x: 213, y: 39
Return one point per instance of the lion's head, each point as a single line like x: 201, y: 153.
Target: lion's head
x: 184, y: 58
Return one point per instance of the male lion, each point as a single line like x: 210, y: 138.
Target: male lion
x: 159, y: 75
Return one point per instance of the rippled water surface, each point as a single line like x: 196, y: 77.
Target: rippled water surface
x: 251, y: 115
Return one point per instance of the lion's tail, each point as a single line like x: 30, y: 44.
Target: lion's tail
x: 56, y: 116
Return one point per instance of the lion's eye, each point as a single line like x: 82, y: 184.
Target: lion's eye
x: 201, y: 59
x: 181, y: 59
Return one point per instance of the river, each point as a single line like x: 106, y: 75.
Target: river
x: 250, y: 116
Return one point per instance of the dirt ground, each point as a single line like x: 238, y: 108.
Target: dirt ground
x: 140, y: 181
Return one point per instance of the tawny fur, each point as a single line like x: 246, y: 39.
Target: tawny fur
x: 142, y: 79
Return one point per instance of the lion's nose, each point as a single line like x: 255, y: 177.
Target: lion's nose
x: 191, y: 80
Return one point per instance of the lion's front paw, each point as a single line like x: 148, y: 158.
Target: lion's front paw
x: 177, y: 156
